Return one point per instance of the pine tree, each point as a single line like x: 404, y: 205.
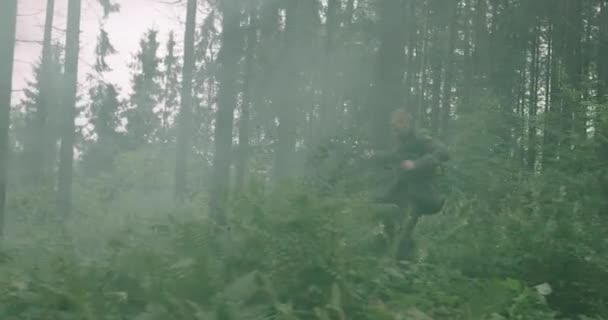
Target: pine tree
x: 171, y: 89
x: 205, y: 86
x: 34, y: 101
x: 99, y: 154
x: 142, y: 121
x: 104, y: 108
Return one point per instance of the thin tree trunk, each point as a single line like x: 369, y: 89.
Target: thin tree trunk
x: 467, y: 86
x: 66, y: 161
x: 547, y: 134
x: 287, y: 96
x: 423, y: 60
x: 42, y: 162
x: 269, y: 25
x: 481, y: 52
x: 602, y: 88
x: 329, y: 110
x: 553, y: 119
x: 412, y: 46
x: 519, y: 126
x: 533, y: 109
x: 387, y: 92
x: 348, y: 13
x: 185, y: 114
x: 295, y: 49
x: 244, y: 121
x: 436, y: 71
x: 446, y: 104
x: 8, y: 21
x: 575, y: 65
x: 228, y: 72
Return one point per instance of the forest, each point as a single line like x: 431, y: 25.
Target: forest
x: 234, y: 177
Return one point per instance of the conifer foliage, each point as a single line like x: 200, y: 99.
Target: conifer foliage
x: 231, y: 178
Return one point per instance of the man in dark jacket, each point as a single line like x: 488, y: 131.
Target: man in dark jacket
x: 414, y: 166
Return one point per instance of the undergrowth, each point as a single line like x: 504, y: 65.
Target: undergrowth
x: 288, y: 254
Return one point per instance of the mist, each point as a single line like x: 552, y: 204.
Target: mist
x: 291, y: 159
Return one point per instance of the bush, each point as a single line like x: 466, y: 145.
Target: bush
x: 288, y: 254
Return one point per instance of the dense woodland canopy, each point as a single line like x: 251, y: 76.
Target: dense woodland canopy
x: 230, y: 182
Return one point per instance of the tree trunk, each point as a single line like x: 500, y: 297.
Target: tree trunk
x: 227, y: 99
x: 602, y: 88
x: 419, y: 113
x: 481, y: 52
x: 298, y: 38
x: 436, y: 72
x: 42, y: 164
x: 185, y: 114
x: 287, y: 95
x: 520, y: 125
x: 553, y: 114
x: 446, y: 104
x: 329, y: 109
x: 244, y: 121
x: 574, y: 66
x: 411, y: 71
x: 467, y: 85
x: 387, y: 90
x: 66, y: 161
x: 533, y: 109
x: 348, y: 13
x: 8, y: 21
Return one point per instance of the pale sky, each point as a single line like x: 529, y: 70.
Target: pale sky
x: 125, y: 29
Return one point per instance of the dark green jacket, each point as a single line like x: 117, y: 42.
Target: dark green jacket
x: 427, y: 153
x: 400, y: 185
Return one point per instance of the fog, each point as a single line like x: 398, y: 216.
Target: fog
x: 303, y: 159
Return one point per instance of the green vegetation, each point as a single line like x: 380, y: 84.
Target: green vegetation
x: 250, y: 196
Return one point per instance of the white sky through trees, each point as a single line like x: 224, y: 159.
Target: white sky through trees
x: 125, y: 29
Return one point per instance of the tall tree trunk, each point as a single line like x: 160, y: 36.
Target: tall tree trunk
x: 446, y: 104
x: 8, y: 21
x: 467, y: 85
x: 553, y: 113
x: 419, y: 113
x: 66, y: 160
x: 287, y: 95
x: 328, y: 113
x: 227, y: 99
x: 185, y: 113
x: 533, y: 109
x: 387, y: 90
x: 300, y: 21
x: 42, y: 162
x: 348, y: 13
x: 411, y: 72
x: 574, y: 65
x: 520, y: 126
x: 244, y: 121
x: 482, y: 47
x: 602, y: 88
x: 603, y: 91
x: 436, y: 72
